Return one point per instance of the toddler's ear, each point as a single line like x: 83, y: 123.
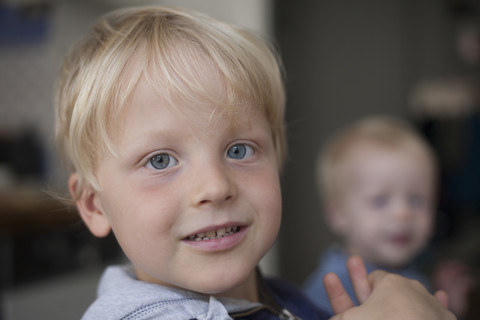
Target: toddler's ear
x: 89, y: 208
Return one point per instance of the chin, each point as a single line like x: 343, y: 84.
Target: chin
x: 215, y: 287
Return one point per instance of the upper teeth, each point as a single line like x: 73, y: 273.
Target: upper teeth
x: 213, y: 234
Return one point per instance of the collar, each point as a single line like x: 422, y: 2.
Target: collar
x: 267, y: 303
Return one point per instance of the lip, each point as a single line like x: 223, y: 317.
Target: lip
x: 217, y: 226
x: 218, y: 244
x: 401, y: 239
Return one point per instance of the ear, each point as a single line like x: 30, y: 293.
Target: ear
x: 89, y: 208
x: 335, y: 218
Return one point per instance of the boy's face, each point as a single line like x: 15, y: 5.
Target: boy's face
x: 180, y: 178
x: 385, y: 210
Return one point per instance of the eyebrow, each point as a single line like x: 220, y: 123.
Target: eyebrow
x: 140, y: 144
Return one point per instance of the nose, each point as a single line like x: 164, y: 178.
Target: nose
x: 402, y: 210
x: 213, y: 185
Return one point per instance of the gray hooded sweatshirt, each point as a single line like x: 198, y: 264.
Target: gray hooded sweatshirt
x: 122, y: 296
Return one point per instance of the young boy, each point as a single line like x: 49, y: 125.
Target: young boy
x: 172, y: 124
x: 377, y: 179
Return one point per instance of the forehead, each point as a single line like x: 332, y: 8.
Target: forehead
x: 368, y: 152
x: 150, y: 111
x: 370, y: 161
x: 193, y: 87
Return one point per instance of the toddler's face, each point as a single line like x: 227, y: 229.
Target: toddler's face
x: 386, y: 205
x: 193, y: 199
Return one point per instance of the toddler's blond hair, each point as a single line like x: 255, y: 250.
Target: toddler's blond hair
x: 384, y: 131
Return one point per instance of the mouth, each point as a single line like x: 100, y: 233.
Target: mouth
x: 401, y: 239
x: 214, y: 234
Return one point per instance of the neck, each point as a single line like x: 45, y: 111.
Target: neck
x: 247, y: 290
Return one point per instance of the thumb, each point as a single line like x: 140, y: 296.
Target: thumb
x: 442, y: 296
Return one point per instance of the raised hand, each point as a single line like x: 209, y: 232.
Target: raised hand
x: 384, y: 295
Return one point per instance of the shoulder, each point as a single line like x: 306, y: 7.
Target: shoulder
x: 333, y: 260
x: 121, y: 296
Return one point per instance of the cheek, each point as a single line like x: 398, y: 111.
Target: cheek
x: 365, y: 225
x: 424, y: 225
x: 268, y: 199
x: 136, y: 217
x: 274, y: 194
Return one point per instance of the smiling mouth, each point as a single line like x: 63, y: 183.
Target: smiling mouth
x: 400, y: 239
x: 213, y: 234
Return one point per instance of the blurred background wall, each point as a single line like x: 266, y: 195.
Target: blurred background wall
x: 344, y: 59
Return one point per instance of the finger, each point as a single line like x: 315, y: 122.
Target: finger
x: 442, y: 296
x: 339, y: 298
x: 375, y: 277
x: 358, y: 276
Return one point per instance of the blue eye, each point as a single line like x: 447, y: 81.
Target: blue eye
x: 240, y: 151
x: 417, y: 201
x: 161, y: 161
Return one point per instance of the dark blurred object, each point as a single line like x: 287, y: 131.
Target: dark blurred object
x: 466, y: 14
x: 444, y: 98
x: 41, y: 237
x: 461, y: 9
x: 27, y: 217
x: 23, y: 155
x: 457, y: 141
x: 447, y: 112
x: 457, y: 279
x: 23, y: 24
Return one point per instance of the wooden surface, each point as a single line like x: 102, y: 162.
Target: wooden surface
x: 33, y: 210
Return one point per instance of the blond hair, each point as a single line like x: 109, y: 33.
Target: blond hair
x: 383, y: 131
x: 97, y: 76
